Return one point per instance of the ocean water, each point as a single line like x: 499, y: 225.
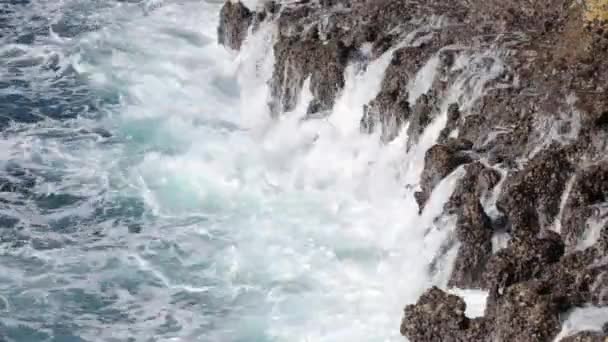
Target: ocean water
x: 147, y: 195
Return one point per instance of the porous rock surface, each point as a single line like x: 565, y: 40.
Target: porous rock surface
x: 533, y: 141
x: 586, y: 336
x: 235, y: 19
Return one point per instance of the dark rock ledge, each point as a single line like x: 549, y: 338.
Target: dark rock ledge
x: 540, y: 131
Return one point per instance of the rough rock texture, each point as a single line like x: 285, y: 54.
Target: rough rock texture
x: 474, y: 232
x: 578, y: 279
x: 391, y: 108
x: 520, y: 88
x: 454, y: 117
x: 305, y: 57
x: 531, y: 197
x: 235, y: 19
x: 438, y: 316
x: 526, y: 312
x: 521, y: 261
x: 586, y: 336
x: 479, y: 180
x: 439, y: 161
x: 590, y: 189
x: 474, y: 229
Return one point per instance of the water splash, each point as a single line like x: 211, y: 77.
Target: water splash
x: 177, y: 209
x: 583, y: 319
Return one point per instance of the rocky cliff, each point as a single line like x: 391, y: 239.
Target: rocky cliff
x: 531, y: 136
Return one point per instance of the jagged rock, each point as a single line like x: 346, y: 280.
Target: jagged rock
x: 528, y: 295
x: 235, y: 19
x: 453, y: 116
x: 459, y: 144
x: 474, y: 232
x: 601, y: 245
x: 500, y: 125
x: 590, y: 188
x: 531, y: 197
x: 298, y: 58
x: 425, y: 107
x: 438, y: 316
x: 473, y: 127
x: 574, y: 280
x: 390, y: 120
x: 586, y: 336
x: 522, y: 260
x: 526, y: 312
x: 316, y: 40
x: 439, y: 161
x: 308, y: 47
x: 478, y: 180
x: 391, y: 108
x: 473, y: 227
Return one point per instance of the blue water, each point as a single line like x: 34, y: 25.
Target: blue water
x: 146, y: 195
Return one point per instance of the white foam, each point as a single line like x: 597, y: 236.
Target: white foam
x: 583, y: 319
x: 475, y: 300
x: 557, y: 225
x: 593, y: 228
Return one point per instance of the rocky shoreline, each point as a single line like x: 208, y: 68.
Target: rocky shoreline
x: 534, y: 138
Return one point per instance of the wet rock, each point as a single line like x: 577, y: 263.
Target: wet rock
x: 439, y: 161
x: 421, y: 117
x: 601, y: 245
x: 454, y: 116
x: 474, y: 228
x: 391, y: 108
x: 526, y: 312
x: 500, y: 125
x: 316, y: 40
x: 474, y: 232
x: 389, y: 120
x: 531, y: 197
x: 472, y: 127
x: 438, y: 316
x: 235, y: 19
x: 300, y: 58
x: 573, y: 279
x: 478, y: 180
x: 586, y: 336
x: 522, y: 260
x: 590, y: 188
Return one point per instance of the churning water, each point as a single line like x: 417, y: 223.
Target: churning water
x: 146, y: 195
